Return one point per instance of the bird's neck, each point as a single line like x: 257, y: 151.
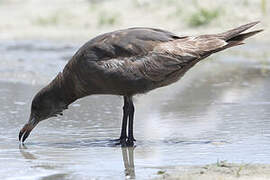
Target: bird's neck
x: 64, y: 89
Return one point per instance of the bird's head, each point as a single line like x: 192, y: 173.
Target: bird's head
x: 46, y: 103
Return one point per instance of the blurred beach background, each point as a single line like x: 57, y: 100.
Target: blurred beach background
x: 79, y: 20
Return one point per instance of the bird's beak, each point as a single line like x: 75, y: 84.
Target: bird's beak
x: 26, y: 130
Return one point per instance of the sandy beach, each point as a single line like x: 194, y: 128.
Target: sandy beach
x: 218, y: 171
x: 80, y: 20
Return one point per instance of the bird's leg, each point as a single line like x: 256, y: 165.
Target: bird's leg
x: 123, y: 136
x: 131, y: 109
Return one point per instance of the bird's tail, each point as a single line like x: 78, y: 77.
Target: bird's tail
x: 235, y: 36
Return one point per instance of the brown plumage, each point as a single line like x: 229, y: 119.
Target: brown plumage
x: 127, y: 62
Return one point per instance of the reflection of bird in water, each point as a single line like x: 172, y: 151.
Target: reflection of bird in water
x: 25, y: 154
x: 128, y: 158
x: 127, y: 62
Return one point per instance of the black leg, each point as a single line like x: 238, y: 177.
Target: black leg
x: 131, y: 109
x: 128, y: 113
x: 123, y: 135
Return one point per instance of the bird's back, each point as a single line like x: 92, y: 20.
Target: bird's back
x: 124, y: 43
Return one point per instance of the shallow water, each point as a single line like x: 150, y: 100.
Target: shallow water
x: 218, y: 111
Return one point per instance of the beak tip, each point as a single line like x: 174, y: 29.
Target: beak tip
x: 25, y: 132
x: 20, y: 135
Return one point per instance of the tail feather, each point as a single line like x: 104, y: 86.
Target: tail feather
x: 235, y: 36
x: 243, y: 36
x: 236, y: 31
x: 231, y: 38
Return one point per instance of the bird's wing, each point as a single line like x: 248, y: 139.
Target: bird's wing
x: 124, y: 43
x: 167, y: 61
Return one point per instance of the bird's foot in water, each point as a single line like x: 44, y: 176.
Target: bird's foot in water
x: 130, y: 142
x: 120, y: 141
x: 124, y: 141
